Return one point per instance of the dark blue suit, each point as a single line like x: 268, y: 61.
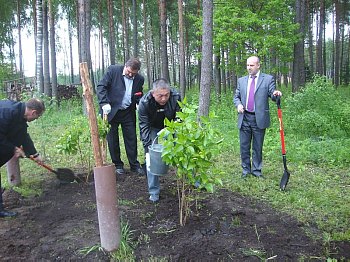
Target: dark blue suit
x: 252, y: 125
x: 111, y: 90
x: 13, y: 133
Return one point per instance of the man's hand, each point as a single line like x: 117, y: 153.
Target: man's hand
x: 277, y: 93
x: 19, y: 152
x: 37, y: 158
x: 240, y: 109
x: 106, y: 109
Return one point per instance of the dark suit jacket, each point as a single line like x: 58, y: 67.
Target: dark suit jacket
x: 264, y: 89
x: 148, y: 114
x: 111, y: 89
x: 13, y: 130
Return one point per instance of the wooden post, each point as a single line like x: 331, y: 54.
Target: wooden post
x: 104, y: 176
x: 85, y: 80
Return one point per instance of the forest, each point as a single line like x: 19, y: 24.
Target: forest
x: 201, y: 47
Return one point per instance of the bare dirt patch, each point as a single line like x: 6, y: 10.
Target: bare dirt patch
x: 224, y: 226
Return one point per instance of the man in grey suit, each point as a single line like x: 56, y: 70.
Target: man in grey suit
x: 251, y: 101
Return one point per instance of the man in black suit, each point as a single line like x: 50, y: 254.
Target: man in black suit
x: 118, y: 92
x: 14, y: 138
x: 252, y: 102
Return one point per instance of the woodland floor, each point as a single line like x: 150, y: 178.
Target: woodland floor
x: 225, y: 227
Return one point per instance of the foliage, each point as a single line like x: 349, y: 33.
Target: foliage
x: 191, y: 148
x: 6, y: 72
x: 262, y: 28
x: 318, y: 111
x: 75, y: 139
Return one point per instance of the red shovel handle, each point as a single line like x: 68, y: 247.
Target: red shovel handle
x: 43, y: 165
x: 279, y: 111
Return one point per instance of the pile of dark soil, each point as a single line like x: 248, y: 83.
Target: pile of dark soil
x: 224, y: 226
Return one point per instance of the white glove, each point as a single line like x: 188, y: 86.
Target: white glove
x: 106, y: 109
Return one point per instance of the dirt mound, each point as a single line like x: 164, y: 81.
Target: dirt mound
x: 225, y: 226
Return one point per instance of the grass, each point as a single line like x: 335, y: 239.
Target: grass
x: 317, y: 194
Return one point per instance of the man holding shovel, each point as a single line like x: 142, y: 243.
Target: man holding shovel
x: 251, y: 100
x: 159, y: 103
x: 14, y: 138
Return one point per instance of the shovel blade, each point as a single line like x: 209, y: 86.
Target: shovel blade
x: 65, y: 175
x: 284, y: 180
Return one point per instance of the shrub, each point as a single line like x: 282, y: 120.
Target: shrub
x: 191, y: 148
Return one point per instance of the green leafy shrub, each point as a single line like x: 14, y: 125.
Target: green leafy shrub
x: 75, y: 140
x: 191, y: 148
x: 317, y: 111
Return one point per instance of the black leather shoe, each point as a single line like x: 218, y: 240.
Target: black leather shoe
x: 5, y: 213
x: 139, y: 171
x: 119, y: 171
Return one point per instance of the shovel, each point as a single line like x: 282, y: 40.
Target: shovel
x: 286, y: 174
x: 63, y: 174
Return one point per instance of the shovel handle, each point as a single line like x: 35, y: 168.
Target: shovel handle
x: 43, y: 165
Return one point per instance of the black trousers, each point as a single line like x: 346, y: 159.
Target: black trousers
x: 127, y: 120
x: 3, y: 160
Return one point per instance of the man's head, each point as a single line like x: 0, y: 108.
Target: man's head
x: 131, y: 68
x: 34, y: 109
x: 253, y: 65
x: 161, y: 91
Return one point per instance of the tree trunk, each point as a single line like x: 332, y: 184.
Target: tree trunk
x: 223, y: 71
x: 39, y: 47
x: 319, y: 46
x: 207, y: 54
x: 182, y: 50
x: 145, y: 32
x: 111, y: 32
x: 163, y: 40
x: 19, y: 28
x: 337, y: 43
x: 70, y: 35
x: 298, y: 75
x: 217, y: 75
x: 53, y: 49
x: 47, y: 87
x: 100, y: 27
x: 311, y: 40
x: 125, y: 32
x: 134, y: 23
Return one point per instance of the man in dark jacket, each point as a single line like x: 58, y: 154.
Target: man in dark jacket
x: 118, y: 93
x: 14, y: 138
x: 159, y: 103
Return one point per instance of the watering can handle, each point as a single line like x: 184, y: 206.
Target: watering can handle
x: 154, y: 140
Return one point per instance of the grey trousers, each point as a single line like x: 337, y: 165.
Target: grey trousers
x: 251, y: 137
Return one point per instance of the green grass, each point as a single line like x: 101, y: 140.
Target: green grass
x: 318, y: 191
